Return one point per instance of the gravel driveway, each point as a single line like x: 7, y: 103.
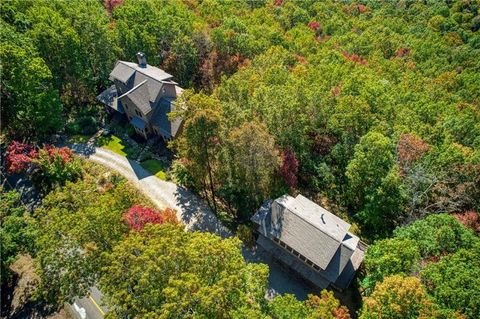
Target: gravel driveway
x: 192, y: 211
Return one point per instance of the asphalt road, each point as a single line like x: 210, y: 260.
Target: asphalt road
x: 89, y: 307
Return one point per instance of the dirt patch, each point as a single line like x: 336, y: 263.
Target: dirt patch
x: 28, y: 280
x: 21, y: 303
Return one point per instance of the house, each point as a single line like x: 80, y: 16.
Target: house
x: 310, y: 240
x: 145, y: 95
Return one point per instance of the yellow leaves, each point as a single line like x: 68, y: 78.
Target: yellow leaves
x: 89, y: 247
x: 397, y: 297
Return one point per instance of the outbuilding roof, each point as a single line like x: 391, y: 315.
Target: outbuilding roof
x: 307, y: 228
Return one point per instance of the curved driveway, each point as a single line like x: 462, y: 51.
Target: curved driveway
x: 193, y: 212
x: 190, y: 209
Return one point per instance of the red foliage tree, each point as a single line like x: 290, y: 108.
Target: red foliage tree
x: 409, y: 149
x: 19, y: 157
x: 470, y: 219
x: 289, y: 168
x: 336, y: 90
x: 314, y: 25
x: 354, y: 58
x: 138, y: 216
x: 111, y: 4
x: 65, y: 153
x: 278, y: 3
x: 402, y: 52
x: 362, y: 8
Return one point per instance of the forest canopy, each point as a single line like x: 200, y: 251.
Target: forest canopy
x: 370, y: 107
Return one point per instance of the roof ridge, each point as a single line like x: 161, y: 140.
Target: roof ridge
x: 311, y: 224
x: 133, y: 89
x: 126, y: 63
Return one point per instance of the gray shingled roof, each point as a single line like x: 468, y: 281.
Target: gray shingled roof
x: 313, y: 232
x: 150, y: 71
x: 122, y: 72
x: 109, y: 98
x: 160, y: 118
x: 139, y: 96
x: 308, y: 228
x: 145, y: 86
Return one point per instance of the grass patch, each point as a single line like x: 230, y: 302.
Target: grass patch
x: 155, y: 167
x: 117, y: 145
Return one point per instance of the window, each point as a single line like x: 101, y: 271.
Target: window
x: 316, y: 267
x: 138, y: 113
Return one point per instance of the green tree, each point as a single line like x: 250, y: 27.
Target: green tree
x: 324, y: 306
x: 389, y: 257
x: 17, y: 234
x: 199, y: 142
x: 373, y: 185
x: 251, y: 161
x: 77, y: 225
x: 286, y: 307
x: 437, y: 235
x: 454, y: 281
x: 30, y: 105
x: 165, y: 272
x: 76, y: 42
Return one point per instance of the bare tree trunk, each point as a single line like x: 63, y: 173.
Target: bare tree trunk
x: 212, y: 189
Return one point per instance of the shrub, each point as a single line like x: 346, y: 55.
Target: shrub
x: 51, y: 166
x: 138, y: 216
x: 19, y: 157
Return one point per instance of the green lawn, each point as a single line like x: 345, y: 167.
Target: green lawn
x: 114, y: 144
x: 155, y: 167
x: 117, y: 145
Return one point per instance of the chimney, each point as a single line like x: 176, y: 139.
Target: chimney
x: 142, y: 60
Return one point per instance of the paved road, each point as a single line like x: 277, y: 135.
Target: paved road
x: 192, y: 211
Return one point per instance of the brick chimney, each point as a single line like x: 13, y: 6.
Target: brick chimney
x: 142, y: 60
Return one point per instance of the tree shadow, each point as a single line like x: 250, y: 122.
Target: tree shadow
x: 139, y: 171
x: 197, y: 214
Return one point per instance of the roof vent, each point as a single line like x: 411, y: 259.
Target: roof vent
x: 142, y: 60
